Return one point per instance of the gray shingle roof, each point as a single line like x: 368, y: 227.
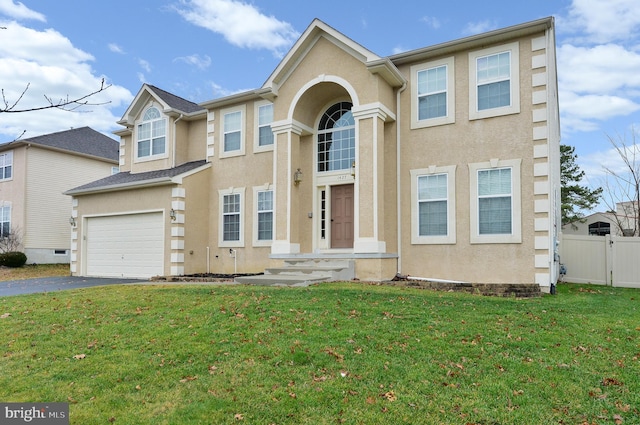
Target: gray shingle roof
x: 84, y: 140
x: 125, y: 179
x: 176, y: 102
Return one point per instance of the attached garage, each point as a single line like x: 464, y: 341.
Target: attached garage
x: 130, y: 245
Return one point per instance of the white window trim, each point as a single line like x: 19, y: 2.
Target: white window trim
x: 10, y: 155
x: 450, y: 117
x: 243, y: 112
x: 516, y: 202
x: 165, y: 154
x: 7, y: 204
x: 514, y: 81
x: 450, y: 238
x: 256, y: 189
x: 221, y: 193
x: 256, y: 129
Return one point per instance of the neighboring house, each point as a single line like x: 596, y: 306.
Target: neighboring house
x: 35, y: 172
x: 442, y: 162
x: 621, y: 223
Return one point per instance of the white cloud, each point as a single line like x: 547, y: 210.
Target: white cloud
x: 144, y: 65
x: 240, y: 23
x: 598, y: 63
x: 115, y: 48
x: 200, y: 62
x: 479, y: 27
x: 598, y: 69
x: 603, y: 21
x: 49, y: 65
x: 19, y: 11
x: 431, y: 22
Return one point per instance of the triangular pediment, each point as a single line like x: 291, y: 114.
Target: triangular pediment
x: 169, y: 103
x: 316, y: 31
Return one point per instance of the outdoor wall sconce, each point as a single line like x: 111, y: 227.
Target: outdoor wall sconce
x: 72, y: 221
x: 172, y: 214
x: 353, y: 169
x: 297, y: 177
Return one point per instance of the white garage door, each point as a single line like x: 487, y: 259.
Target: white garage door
x: 125, y: 246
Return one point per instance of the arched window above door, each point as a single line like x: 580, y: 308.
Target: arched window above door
x: 336, y: 138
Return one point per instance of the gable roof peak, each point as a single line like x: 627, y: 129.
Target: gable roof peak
x: 308, y: 39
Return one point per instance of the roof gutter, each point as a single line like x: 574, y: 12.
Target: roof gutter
x: 160, y: 181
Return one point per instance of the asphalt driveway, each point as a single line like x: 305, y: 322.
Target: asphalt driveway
x: 51, y: 284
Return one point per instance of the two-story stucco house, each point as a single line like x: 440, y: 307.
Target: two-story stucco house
x: 442, y: 163
x: 35, y: 172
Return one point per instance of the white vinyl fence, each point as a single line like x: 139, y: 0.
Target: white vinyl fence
x: 602, y: 260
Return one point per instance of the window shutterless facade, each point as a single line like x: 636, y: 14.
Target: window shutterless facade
x: 232, y: 131
x: 151, y: 135
x: 265, y: 118
x: 6, y: 166
x: 495, y: 202
x: 336, y: 138
x: 494, y: 76
x: 231, y: 227
x: 433, y: 94
x: 5, y: 220
x: 265, y: 215
x: 433, y: 205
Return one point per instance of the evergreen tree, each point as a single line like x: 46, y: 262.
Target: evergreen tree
x: 574, y: 196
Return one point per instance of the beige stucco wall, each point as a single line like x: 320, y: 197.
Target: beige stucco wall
x: 460, y: 144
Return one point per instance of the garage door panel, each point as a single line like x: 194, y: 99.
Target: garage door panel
x: 125, y: 245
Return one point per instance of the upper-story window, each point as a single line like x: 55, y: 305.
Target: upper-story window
x: 494, y: 81
x: 232, y: 131
x: 152, y: 131
x: 265, y: 118
x: 336, y: 138
x: 433, y: 95
x: 6, y: 165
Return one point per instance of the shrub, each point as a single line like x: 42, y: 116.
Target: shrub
x: 13, y: 259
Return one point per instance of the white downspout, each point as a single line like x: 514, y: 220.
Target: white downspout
x: 398, y: 175
x: 174, y: 144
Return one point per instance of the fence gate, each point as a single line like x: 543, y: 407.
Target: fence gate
x: 626, y: 262
x: 601, y: 260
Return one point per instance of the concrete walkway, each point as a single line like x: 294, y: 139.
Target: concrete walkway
x: 51, y: 284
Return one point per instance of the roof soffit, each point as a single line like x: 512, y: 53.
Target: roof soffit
x: 305, y: 44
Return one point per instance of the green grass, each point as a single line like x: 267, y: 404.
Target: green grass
x: 327, y: 354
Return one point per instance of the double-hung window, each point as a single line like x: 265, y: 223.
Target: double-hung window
x: 433, y: 205
x: 433, y: 96
x: 495, y: 202
x: 231, y: 217
x: 232, y: 131
x: 265, y: 215
x: 152, y: 132
x: 264, y: 132
x: 6, y: 166
x: 494, y: 81
x: 5, y: 220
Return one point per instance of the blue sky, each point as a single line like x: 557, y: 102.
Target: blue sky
x: 205, y: 49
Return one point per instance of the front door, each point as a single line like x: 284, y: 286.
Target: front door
x: 342, y: 216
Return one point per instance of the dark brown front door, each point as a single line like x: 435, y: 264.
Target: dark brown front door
x: 342, y: 216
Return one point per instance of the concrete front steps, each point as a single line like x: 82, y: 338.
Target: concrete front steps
x: 303, y: 272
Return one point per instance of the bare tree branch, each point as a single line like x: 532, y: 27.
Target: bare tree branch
x: 623, y: 186
x: 65, y: 104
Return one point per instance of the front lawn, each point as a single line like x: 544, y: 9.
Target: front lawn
x: 326, y: 354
